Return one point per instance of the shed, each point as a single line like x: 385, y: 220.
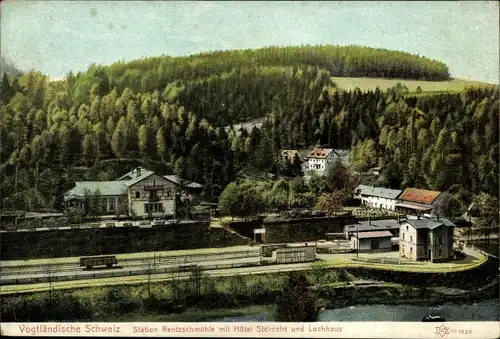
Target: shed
x: 372, y: 241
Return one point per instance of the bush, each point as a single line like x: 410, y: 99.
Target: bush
x: 297, y: 303
x: 60, y: 308
x: 117, y: 301
x: 162, y: 305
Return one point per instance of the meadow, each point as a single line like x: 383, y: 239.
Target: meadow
x: 364, y: 84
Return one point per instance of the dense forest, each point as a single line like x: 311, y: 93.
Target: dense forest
x: 170, y: 113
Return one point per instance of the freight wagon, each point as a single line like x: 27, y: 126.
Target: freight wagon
x: 100, y: 260
x: 295, y: 254
x: 290, y: 254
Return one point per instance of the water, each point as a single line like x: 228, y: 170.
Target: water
x: 482, y: 311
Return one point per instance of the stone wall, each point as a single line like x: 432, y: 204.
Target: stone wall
x: 96, y: 241
x: 306, y: 229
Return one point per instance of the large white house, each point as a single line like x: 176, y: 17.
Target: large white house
x: 139, y: 192
x: 377, y: 197
x: 320, y: 160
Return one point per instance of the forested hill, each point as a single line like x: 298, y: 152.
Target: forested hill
x: 171, y: 111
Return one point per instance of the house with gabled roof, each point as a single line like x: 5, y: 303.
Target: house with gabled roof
x: 426, y: 239
x: 140, y: 192
x: 377, y: 197
x: 415, y: 201
x: 321, y: 160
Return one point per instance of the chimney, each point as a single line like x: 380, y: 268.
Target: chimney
x: 138, y: 172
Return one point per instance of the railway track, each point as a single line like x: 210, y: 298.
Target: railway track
x: 128, y: 263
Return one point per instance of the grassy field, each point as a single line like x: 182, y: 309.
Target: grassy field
x: 426, y: 86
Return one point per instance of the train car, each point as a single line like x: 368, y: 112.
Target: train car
x: 295, y: 254
x: 99, y: 260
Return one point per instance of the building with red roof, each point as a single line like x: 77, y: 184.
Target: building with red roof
x: 415, y: 201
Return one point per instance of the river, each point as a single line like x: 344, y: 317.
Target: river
x: 487, y: 310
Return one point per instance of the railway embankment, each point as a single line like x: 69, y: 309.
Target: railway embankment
x: 57, y: 243
x: 152, y: 299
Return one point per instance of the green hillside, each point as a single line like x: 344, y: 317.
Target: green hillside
x: 174, y: 110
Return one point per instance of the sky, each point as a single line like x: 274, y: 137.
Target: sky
x: 63, y: 36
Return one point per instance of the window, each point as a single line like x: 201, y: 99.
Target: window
x: 411, y: 250
x: 153, y: 207
x: 407, y: 227
x: 411, y: 238
x: 439, y: 252
x: 111, y: 205
x: 137, y: 195
x: 403, y: 236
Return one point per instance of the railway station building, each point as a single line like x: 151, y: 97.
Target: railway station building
x: 427, y: 239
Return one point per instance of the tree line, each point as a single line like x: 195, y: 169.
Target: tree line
x: 54, y: 133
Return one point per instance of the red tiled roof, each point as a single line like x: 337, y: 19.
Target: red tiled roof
x: 418, y: 195
x: 320, y: 153
x: 374, y: 234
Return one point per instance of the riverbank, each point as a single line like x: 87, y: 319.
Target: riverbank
x: 487, y: 310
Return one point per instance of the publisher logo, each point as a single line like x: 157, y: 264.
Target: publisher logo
x: 442, y: 330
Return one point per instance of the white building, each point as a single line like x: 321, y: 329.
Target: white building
x: 139, y: 192
x: 320, y: 160
x: 377, y: 197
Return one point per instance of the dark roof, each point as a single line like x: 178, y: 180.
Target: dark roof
x: 375, y: 234
x: 418, y: 195
x: 380, y: 192
x: 430, y: 223
x: 374, y: 225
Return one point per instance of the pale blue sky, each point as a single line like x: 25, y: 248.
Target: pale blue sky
x: 56, y: 37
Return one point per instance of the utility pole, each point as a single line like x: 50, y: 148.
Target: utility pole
x: 357, y: 240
